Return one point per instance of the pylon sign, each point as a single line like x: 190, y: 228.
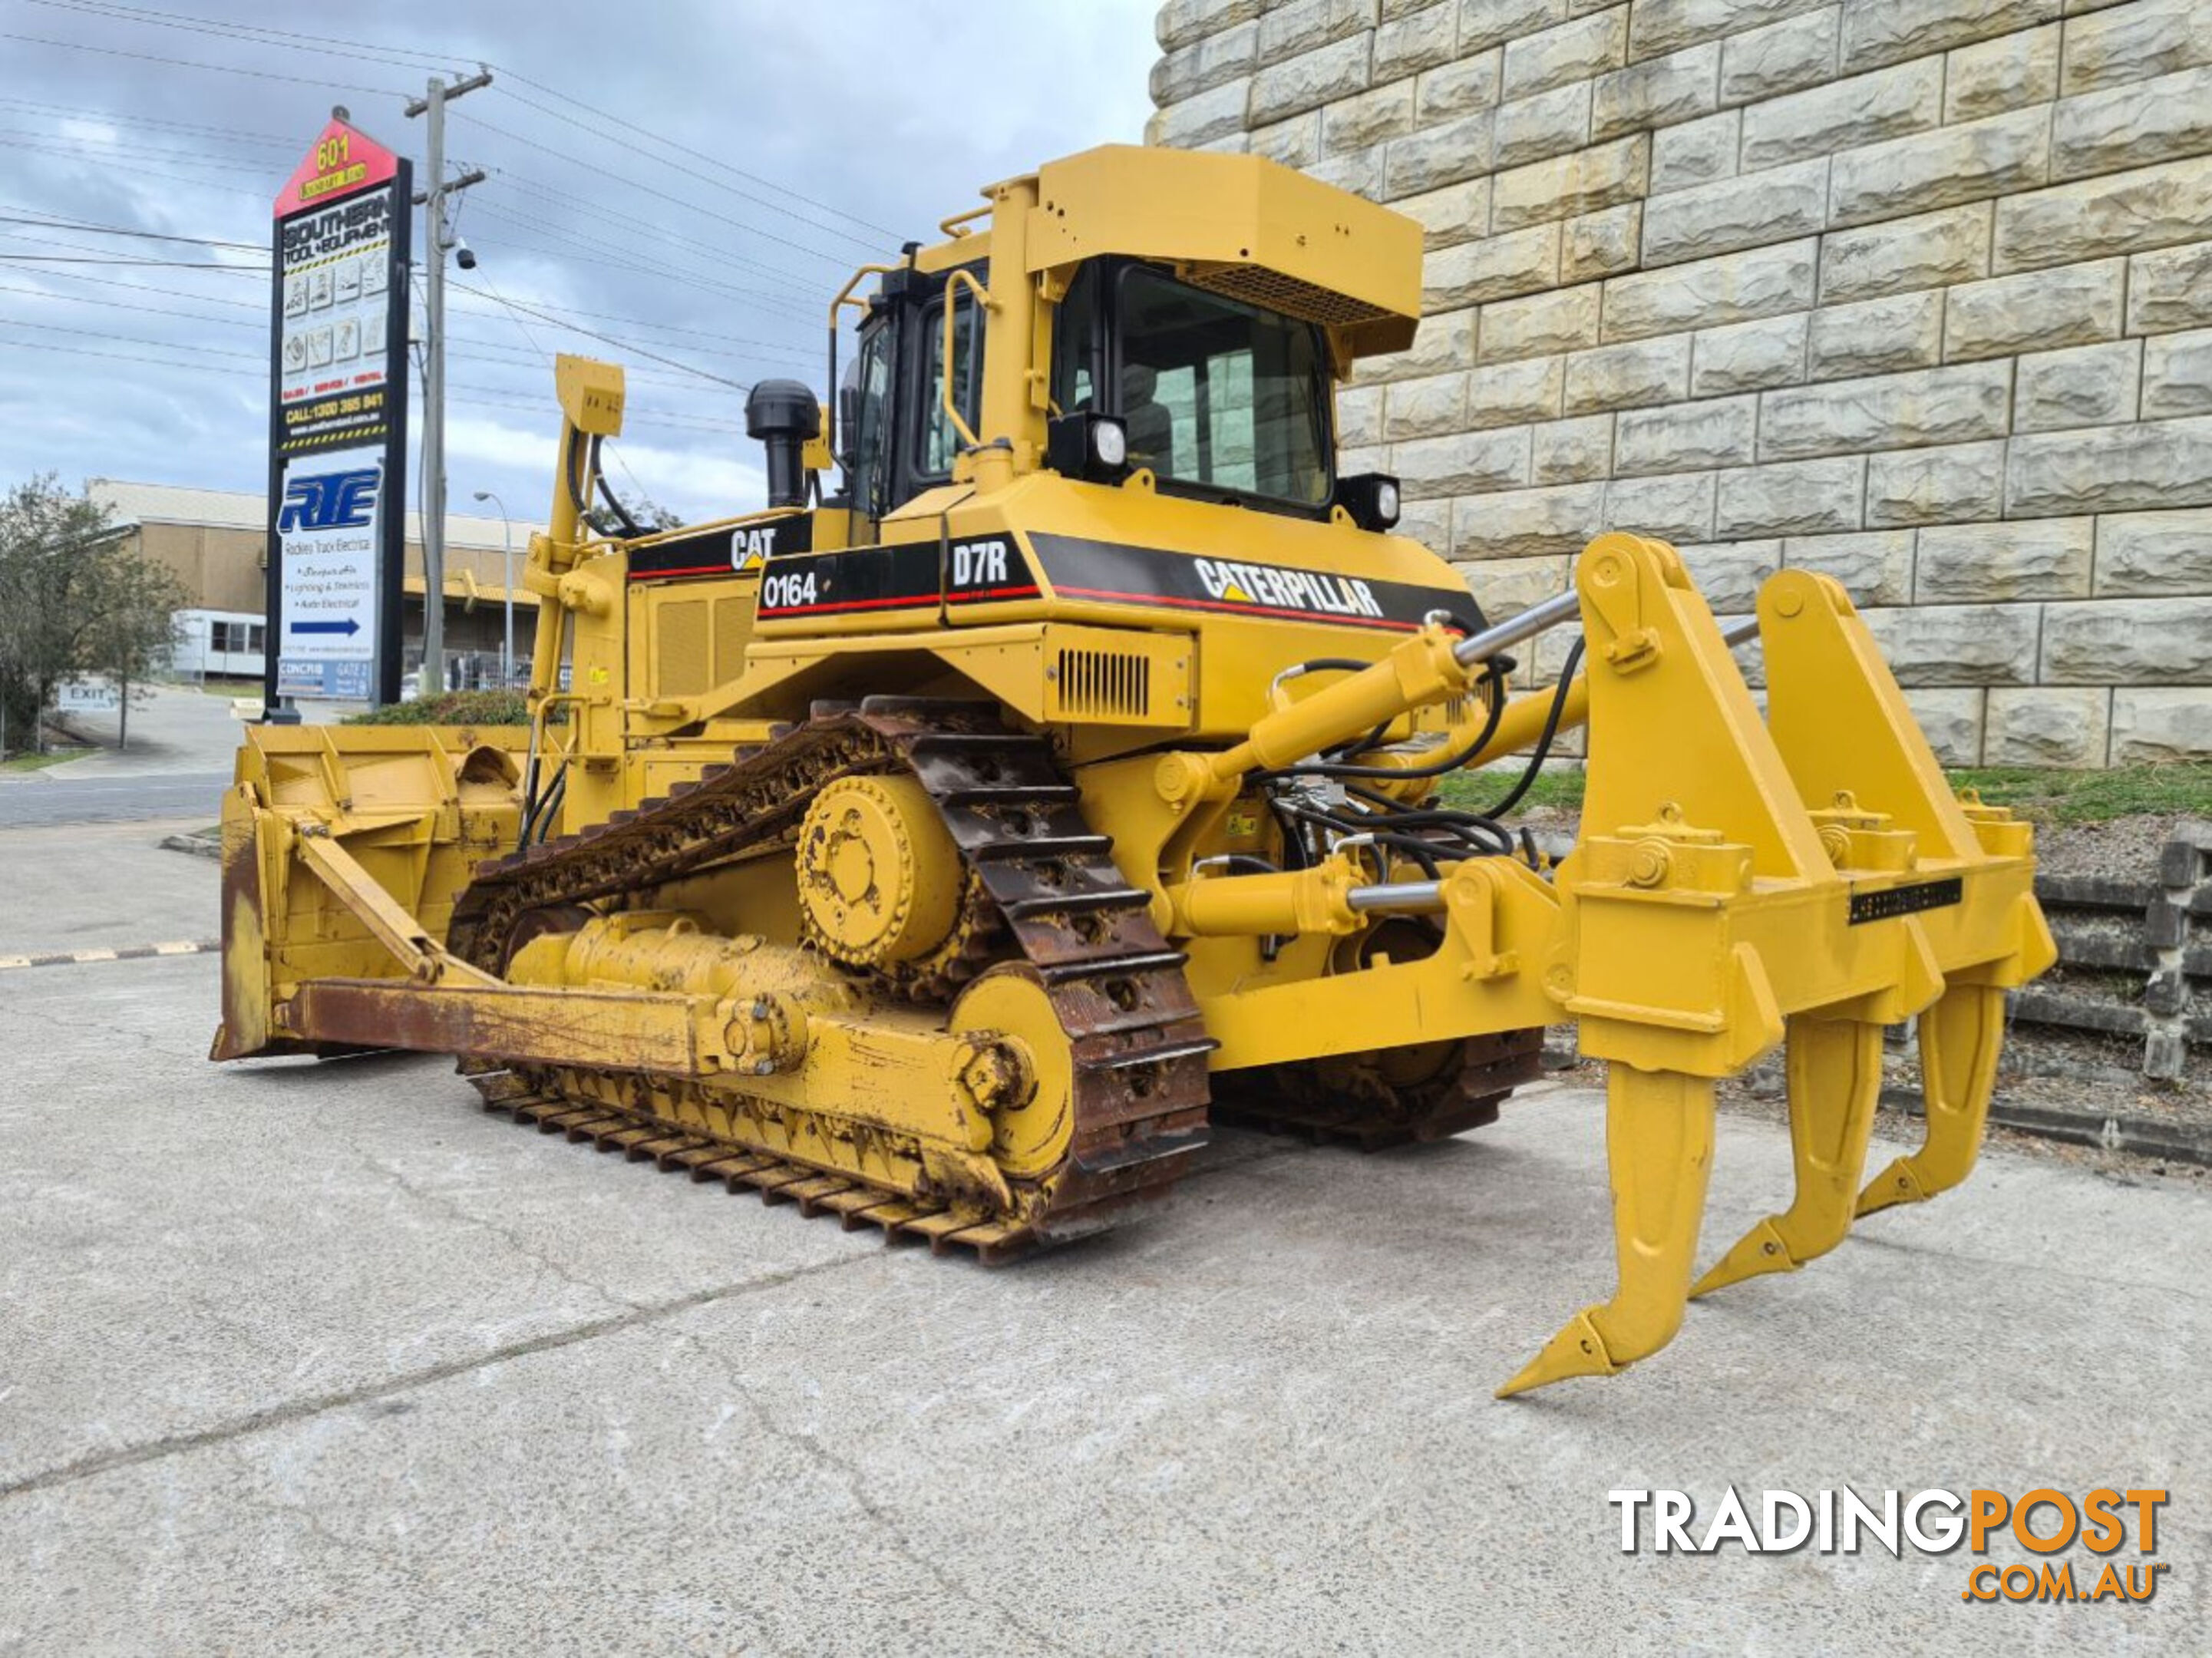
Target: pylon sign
x: 338, y: 422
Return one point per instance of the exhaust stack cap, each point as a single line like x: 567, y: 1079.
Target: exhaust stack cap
x: 782, y: 409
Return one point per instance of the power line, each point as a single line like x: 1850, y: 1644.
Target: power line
x: 116, y: 117
x: 86, y: 226
x: 259, y: 34
x: 168, y: 61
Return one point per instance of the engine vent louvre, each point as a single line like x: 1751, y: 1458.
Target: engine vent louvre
x: 1105, y: 684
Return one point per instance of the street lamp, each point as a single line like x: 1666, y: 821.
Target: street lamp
x: 507, y: 638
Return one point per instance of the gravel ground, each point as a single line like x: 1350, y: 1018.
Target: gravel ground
x: 2126, y: 847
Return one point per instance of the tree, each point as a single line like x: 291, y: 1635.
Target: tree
x: 647, y: 515
x: 76, y: 596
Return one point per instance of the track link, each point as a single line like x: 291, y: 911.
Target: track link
x: 1051, y: 901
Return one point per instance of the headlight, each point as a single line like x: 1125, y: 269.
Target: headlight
x: 1371, y: 498
x: 1087, y: 445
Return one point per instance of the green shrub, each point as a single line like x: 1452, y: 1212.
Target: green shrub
x: 454, y: 708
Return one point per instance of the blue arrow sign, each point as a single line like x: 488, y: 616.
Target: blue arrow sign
x: 349, y: 627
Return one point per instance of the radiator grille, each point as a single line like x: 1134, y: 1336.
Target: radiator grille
x: 1104, y: 684
x: 683, y: 664
x: 733, y: 623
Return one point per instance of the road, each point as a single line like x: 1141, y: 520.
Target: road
x: 44, y: 798
x: 310, y: 1358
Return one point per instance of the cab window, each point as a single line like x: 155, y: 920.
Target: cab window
x: 939, y: 441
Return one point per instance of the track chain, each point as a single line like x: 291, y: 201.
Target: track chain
x: 1054, y: 900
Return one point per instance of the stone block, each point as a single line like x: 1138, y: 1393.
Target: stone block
x: 1888, y: 411
x: 1428, y: 522
x: 2074, y: 305
x: 1765, y: 62
x: 2087, y: 385
x: 1484, y: 23
x: 1580, y: 49
x: 1734, y: 288
x: 1359, y: 416
x: 1436, y: 156
x: 1179, y: 22
x: 1674, y: 506
x: 1507, y: 587
x: 1687, y: 436
x: 2111, y: 468
x: 2160, y: 723
x: 1877, y: 336
x: 2134, y: 42
x: 1464, y: 463
x: 1663, y: 26
x: 1751, y: 212
x: 2149, y: 555
x: 1495, y: 267
x: 1309, y: 79
x: 1950, y: 717
x: 1603, y: 176
x: 1548, y: 124
x: 1294, y: 142
x: 2177, y: 375
x: 1890, y: 31
x: 2128, y: 641
x: 1290, y: 28
x: 2121, y: 213
x: 1367, y: 118
x: 1196, y: 121
x: 1504, y: 393
x: 1418, y: 40
x: 1601, y: 244
x: 1206, y: 63
x: 1445, y: 342
x: 1932, y: 250
x: 1626, y: 375
x: 1564, y: 319
x: 1957, y: 483
x: 2009, y: 73
x: 2170, y: 290
x: 1462, y: 87
x: 2024, y: 558
x: 1864, y: 109
x: 1803, y: 498
x: 1959, y: 644
x: 1728, y: 572
x: 1995, y: 156
x: 1457, y: 213
x: 1424, y: 407
x: 1571, y: 451
x: 1656, y: 93
x: 2131, y: 125
x: 1526, y: 522
x: 1696, y: 153
x: 2047, y: 726
x: 1875, y: 566
x: 1749, y: 356
x: 1359, y: 170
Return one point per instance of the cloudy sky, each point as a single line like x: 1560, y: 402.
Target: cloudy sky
x: 692, y: 179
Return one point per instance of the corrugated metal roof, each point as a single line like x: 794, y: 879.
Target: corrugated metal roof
x: 239, y: 509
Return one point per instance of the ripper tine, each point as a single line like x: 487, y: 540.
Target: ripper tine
x: 1958, y: 1040
x: 1659, y: 1142
x: 1835, y: 1079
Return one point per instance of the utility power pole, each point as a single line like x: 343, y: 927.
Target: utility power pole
x: 431, y: 679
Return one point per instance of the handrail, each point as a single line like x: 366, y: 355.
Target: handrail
x: 984, y: 301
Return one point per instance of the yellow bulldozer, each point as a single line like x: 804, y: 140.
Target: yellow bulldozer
x: 947, y: 846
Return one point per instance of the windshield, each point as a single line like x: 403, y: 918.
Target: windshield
x: 1221, y: 395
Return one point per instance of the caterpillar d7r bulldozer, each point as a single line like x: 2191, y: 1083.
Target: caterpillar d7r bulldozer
x: 945, y: 846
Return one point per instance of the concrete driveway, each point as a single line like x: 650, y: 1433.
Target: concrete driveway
x: 310, y: 1357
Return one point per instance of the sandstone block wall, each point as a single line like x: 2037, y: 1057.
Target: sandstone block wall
x: 1915, y: 292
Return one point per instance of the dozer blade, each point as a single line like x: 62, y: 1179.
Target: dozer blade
x: 1835, y: 1079
x: 1959, y: 1037
x: 1659, y: 1146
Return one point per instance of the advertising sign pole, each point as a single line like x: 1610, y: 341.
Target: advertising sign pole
x: 338, y: 424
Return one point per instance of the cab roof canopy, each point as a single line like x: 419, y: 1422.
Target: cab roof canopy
x: 1240, y: 225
